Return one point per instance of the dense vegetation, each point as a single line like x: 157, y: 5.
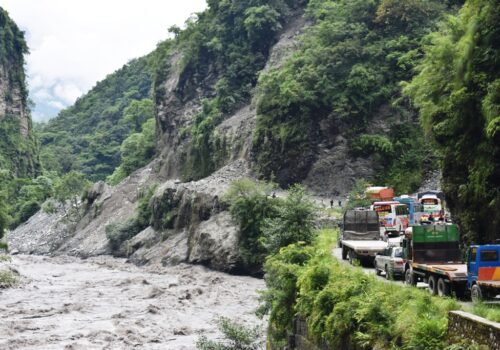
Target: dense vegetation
x: 308, y: 282
x: 18, y: 151
x: 345, y: 74
x: 458, y: 93
x: 13, y: 47
x: 87, y: 136
x: 224, y: 50
x: 268, y: 223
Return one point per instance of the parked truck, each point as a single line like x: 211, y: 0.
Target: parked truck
x: 483, y: 277
x: 432, y: 255
x: 360, y: 236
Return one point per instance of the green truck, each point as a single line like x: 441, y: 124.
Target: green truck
x: 432, y: 255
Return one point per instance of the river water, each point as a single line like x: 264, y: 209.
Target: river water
x: 106, y: 303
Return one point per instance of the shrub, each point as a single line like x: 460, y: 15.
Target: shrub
x: 250, y: 206
x: 118, y: 233
x: 266, y: 223
x: 237, y: 337
x: 7, y: 279
x: 293, y: 222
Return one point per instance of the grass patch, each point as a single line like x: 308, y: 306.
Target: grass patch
x: 7, y: 279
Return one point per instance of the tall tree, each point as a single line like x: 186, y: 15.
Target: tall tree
x: 458, y: 93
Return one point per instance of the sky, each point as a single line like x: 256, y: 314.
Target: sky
x: 76, y: 43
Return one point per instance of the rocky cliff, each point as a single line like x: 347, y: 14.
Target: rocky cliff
x: 12, y: 86
x: 18, y: 153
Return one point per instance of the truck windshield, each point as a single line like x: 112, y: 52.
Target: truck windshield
x: 398, y: 253
x: 489, y: 255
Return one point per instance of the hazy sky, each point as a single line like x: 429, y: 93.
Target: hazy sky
x: 75, y: 43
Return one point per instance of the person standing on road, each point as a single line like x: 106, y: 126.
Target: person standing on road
x: 331, y: 203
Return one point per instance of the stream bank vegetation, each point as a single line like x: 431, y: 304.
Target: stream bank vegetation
x: 344, y: 306
x: 266, y: 222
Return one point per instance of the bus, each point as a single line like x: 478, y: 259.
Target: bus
x: 415, y: 208
x: 394, y: 216
x: 431, y: 205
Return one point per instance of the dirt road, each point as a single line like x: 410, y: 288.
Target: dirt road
x: 105, y: 303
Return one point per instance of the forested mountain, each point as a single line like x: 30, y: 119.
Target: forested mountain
x: 87, y: 136
x: 299, y: 91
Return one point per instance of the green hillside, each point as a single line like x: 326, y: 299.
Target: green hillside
x: 87, y: 136
x: 18, y: 146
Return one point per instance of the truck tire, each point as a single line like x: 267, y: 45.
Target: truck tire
x: 476, y: 293
x: 443, y: 288
x: 388, y: 274
x: 432, y: 285
x: 351, y: 256
x: 410, y: 278
x: 344, y: 253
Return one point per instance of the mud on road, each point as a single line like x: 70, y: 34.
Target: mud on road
x: 105, y: 303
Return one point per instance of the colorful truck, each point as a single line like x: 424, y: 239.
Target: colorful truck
x: 379, y: 193
x: 483, y: 278
x: 432, y: 255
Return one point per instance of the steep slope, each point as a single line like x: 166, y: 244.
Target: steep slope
x: 18, y: 153
x: 258, y: 89
x: 19, y: 159
x: 199, y: 229
x: 87, y: 136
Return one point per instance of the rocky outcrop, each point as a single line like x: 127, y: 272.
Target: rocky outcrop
x: 12, y: 85
x: 189, y: 222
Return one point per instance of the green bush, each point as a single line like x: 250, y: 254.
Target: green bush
x: 27, y: 210
x: 293, y: 221
x: 250, y: 205
x: 266, y: 223
x: 7, y: 279
x: 345, y: 306
x: 118, y: 233
x: 236, y: 337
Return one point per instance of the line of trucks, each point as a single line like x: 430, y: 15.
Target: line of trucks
x: 430, y: 254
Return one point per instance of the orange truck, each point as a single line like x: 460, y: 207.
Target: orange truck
x: 379, y: 193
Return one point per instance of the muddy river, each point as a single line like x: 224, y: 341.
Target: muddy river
x: 105, y: 303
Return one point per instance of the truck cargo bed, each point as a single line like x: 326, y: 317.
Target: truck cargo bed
x: 366, y: 246
x: 453, y: 271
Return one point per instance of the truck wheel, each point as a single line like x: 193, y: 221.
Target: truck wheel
x: 432, y: 285
x: 344, y: 253
x: 351, y: 255
x: 443, y: 288
x: 388, y: 274
x: 410, y: 278
x: 476, y: 294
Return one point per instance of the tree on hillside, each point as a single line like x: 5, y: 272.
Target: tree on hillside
x: 293, y: 222
x: 69, y: 191
x: 458, y: 94
x: 4, y: 217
